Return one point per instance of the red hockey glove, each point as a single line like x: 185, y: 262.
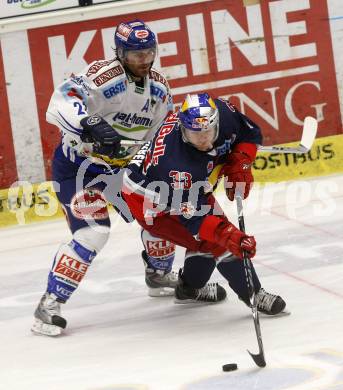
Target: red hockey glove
x: 225, y: 234
x: 237, y: 170
x: 235, y: 241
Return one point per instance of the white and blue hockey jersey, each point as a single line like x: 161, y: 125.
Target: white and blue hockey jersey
x: 134, y: 110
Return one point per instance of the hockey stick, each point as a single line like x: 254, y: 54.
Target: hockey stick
x: 259, y: 358
x: 129, y: 142
x: 307, y: 138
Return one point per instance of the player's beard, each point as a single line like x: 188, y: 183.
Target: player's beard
x: 138, y: 71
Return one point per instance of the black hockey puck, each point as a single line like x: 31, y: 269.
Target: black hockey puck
x: 230, y: 367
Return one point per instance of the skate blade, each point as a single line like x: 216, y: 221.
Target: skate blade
x: 40, y: 328
x: 283, y: 313
x: 195, y: 302
x: 160, y: 292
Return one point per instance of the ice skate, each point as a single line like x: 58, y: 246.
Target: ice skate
x: 210, y: 293
x: 268, y: 303
x: 48, y: 320
x: 159, y: 283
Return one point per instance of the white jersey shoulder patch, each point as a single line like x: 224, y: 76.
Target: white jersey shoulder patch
x: 158, y: 78
x: 104, y: 71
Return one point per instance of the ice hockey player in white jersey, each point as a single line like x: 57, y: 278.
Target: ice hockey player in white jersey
x: 111, y: 100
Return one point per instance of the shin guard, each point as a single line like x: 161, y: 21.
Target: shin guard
x: 69, y: 267
x: 160, y: 253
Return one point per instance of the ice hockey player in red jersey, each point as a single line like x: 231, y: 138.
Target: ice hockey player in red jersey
x: 167, y: 186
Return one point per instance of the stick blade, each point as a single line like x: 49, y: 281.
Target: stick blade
x: 309, y: 132
x: 258, y: 359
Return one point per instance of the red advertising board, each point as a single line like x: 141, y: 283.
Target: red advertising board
x: 8, y: 170
x: 274, y: 61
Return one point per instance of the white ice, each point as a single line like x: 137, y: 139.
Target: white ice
x: 119, y: 338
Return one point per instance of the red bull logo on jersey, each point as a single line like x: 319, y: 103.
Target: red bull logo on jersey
x: 159, y: 147
x: 187, y: 210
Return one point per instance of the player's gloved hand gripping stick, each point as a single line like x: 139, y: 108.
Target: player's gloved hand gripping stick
x: 224, y: 233
x: 105, y: 139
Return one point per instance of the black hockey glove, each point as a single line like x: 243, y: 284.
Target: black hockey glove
x: 106, y: 140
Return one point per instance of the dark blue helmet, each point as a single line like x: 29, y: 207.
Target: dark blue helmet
x: 135, y: 35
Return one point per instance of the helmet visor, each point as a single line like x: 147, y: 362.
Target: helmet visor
x: 142, y: 56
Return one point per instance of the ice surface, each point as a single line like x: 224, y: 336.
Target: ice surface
x: 119, y: 338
